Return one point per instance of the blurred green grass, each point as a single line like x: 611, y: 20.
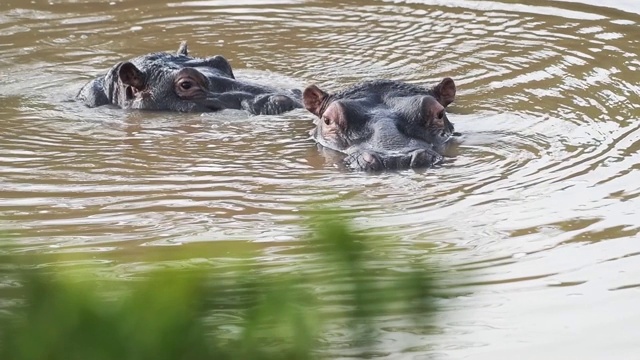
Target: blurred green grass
x: 201, y: 313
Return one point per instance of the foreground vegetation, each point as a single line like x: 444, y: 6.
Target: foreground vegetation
x: 248, y: 312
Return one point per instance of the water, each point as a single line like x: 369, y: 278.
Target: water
x: 538, y: 200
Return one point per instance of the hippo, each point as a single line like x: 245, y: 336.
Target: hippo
x: 383, y: 124
x: 179, y: 82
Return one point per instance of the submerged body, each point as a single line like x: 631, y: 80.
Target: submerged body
x: 383, y: 124
x: 179, y: 82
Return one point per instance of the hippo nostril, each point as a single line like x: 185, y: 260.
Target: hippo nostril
x: 129, y: 93
x: 213, y: 104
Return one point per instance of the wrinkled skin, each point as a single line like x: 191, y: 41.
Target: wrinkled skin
x: 163, y: 81
x: 384, y: 124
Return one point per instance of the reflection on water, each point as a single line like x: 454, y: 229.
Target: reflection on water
x: 538, y: 198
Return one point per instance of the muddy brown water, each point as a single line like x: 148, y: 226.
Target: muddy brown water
x: 539, y: 197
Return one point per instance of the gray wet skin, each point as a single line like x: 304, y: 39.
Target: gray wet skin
x: 384, y: 124
x: 179, y: 82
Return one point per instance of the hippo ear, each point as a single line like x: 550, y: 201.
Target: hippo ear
x: 313, y: 98
x: 220, y: 63
x: 445, y: 91
x: 182, y: 50
x: 130, y: 75
x: 433, y: 112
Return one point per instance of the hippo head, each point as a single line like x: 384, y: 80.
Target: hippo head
x: 162, y: 81
x: 170, y: 82
x: 179, y: 82
x: 383, y: 124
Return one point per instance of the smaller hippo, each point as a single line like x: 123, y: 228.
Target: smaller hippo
x: 179, y: 82
x: 384, y: 124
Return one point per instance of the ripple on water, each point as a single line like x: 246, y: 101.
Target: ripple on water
x: 536, y: 120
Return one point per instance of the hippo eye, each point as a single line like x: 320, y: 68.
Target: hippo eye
x: 186, y: 85
x: 326, y: 120
x: 440, y: 115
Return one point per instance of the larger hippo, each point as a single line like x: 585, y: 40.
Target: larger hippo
x: 384, y: 124
x: 179, y: 82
